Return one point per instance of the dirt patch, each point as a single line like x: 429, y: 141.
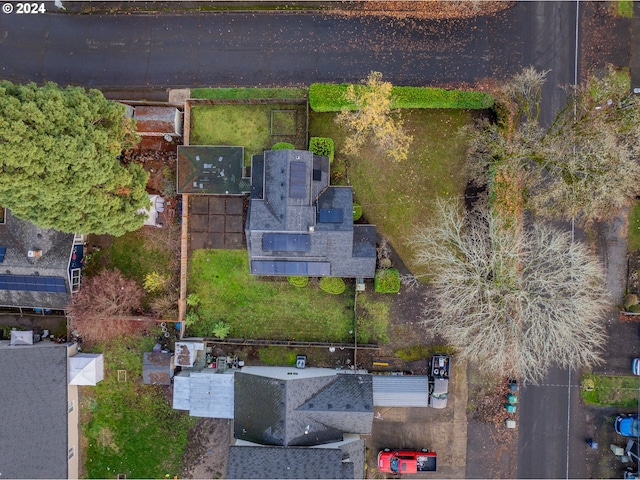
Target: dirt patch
x: 207, y: 448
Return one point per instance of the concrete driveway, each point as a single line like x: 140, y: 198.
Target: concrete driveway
x: 443, y: 431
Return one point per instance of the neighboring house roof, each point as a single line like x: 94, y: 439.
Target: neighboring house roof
x: 33, y: 395
x: 211, y: 170
x: 346, y: 461
x: 298, y: 224
x: 400, y: 391
x: 157, y: 368
x: 204, y: 393
x: 157, y: 121
x: 300, y: 407
x: 39, y: 279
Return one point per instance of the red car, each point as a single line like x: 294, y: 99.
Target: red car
x: 407, y: 461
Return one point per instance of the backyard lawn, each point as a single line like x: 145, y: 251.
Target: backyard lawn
x: 128, y: 427
x: 398, y: 196
x: 263, y: 308
x: 254, y: 127
x: 134, y: 254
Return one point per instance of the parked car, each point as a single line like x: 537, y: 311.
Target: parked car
x: 407, y: 461
x: 627, y: 425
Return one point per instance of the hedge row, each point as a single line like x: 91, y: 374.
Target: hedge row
x: 387, y: 280
x: 322, y: 146
x: 330, y: 97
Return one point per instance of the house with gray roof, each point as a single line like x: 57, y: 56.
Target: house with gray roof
x: 299, y: 423
x: 298, y: 224
x: 340, y: 460
x: 39, y: 437
x: 39, y: 268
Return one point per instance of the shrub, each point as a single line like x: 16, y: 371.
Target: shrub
x: 221, y: 329
x: 322, y: 146
x: 298, y: 281
x: 630, y: 300
x: 387, y: 280
x: 154, y: 282
x: 357, y: 212
x: 332, y: 285
x: 283, y: 146
x: 191, y: 318
x: 193, y: 299
x: 328, y: 97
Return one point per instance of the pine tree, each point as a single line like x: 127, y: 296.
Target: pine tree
x: 59, y: 150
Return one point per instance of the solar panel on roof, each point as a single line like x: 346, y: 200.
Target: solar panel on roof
x: 286, y: 242
x: 298, y: 180
x: 32, y: 283
x: 281, y: 267
x: 330, y: 215
x: 3, y: 250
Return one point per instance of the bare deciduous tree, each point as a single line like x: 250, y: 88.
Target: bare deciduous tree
x: 585, y: 165
x: 515, y: 303
x: 372, y: 119
x: 108, y: 294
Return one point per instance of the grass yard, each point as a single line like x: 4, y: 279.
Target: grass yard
x: 133, y: 255
x: 263, y: 308
x: 248, y: 126
x: 634, y: 228
x: 624, y: 8
x: 129, y: 427
x: 609, y: 391
x: 398, y: 196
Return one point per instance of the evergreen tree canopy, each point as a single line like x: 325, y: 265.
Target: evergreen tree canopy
x: 59, y: 151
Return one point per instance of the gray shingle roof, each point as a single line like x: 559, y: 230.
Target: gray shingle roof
x: 289, y: 188
x: 19, y: 237
x: 296, y: 462
x: 34, y: 435
x: 301, y: 411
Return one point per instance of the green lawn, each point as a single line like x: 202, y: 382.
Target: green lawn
x: 263, y: 308
x: 624, y: 8
x: 133, y: 255
x: 634, y: 228
x: 609, y: 391
x: 248, y: 126
x: 130, y: 427
x: 399, y: 196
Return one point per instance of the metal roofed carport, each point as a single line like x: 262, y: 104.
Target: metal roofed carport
x: 400, y: 391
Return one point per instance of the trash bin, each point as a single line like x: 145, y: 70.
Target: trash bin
x: 510, y: 408
x: 512, y: 399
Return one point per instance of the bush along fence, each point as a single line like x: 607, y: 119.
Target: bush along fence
x: 330, y: 97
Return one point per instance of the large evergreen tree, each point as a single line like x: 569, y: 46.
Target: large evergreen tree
x: 59, y: 150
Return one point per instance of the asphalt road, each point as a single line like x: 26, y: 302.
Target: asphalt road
x: 225, y: 49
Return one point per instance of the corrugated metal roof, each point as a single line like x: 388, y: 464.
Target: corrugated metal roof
x: 400, y: 391
x: 181, y: 384
x: 211, y: 394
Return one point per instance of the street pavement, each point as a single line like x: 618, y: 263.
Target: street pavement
x: 282, y: 49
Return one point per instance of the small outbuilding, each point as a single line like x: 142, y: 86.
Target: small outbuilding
x: 158, y: 368
x: 86, y: 369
